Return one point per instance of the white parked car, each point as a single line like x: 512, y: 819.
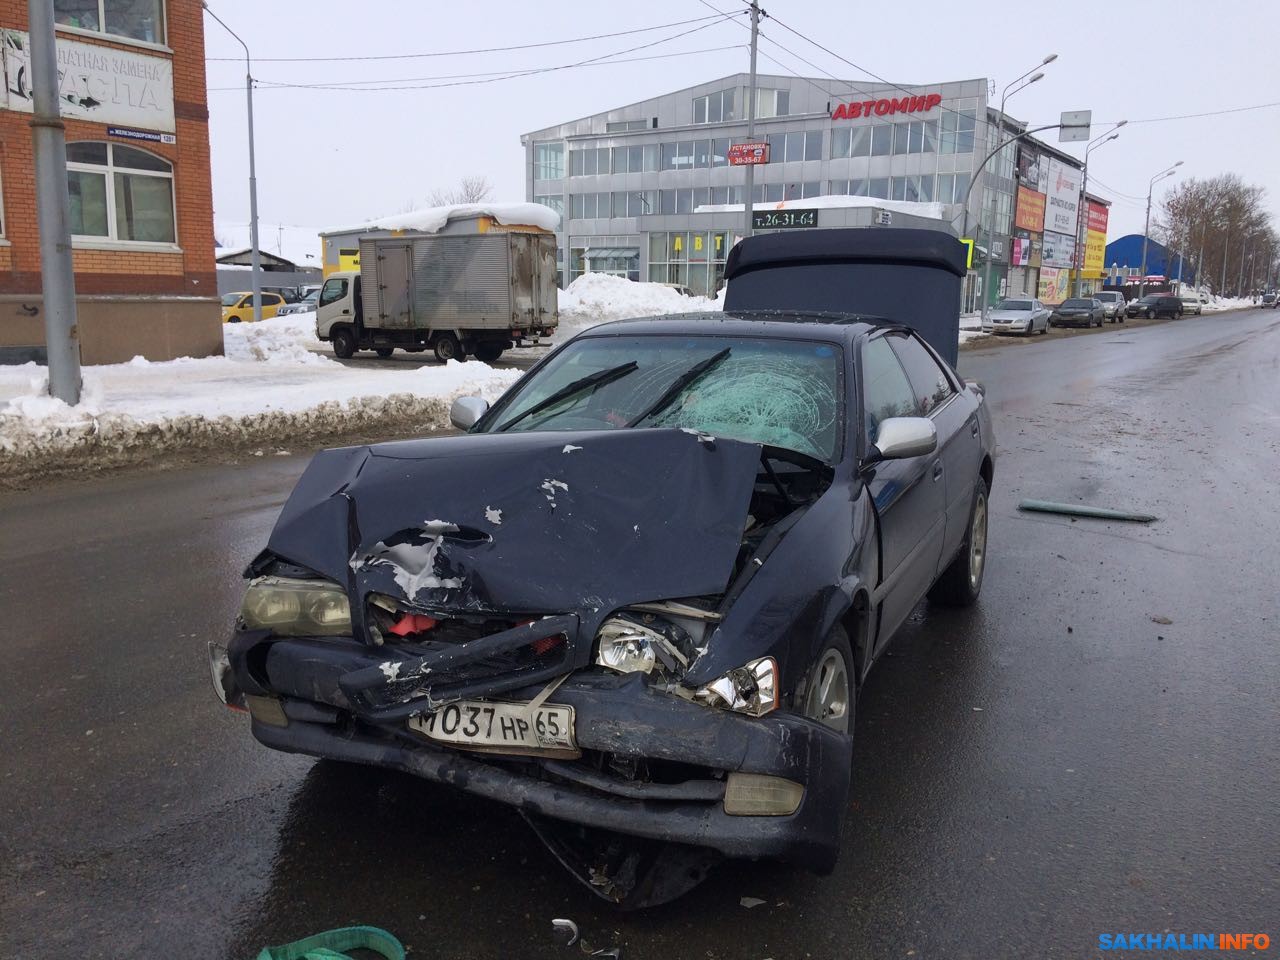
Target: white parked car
x: 1024, y: 315
x: 1112, y: 305
x: 1191, y: 303
x: 306, y: 305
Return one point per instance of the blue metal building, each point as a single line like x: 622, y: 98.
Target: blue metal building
x: 1124, y: 259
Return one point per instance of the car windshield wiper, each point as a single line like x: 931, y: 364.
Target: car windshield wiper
x: 678, y: 386
x: 589, y: 382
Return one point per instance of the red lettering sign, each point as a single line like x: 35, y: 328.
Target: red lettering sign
x: 1098, y: 216
x: 742, y: 154
x: 921, y: 103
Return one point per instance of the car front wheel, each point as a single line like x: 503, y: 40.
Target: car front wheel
x: 343, y: 342
x: 830, y: 692
x: 961, y: 582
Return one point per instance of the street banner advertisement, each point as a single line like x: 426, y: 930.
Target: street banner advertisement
x: 1059, y: 250
x: 1021, y: 252
x: 1030, y: 213
x: 1062, y: 188
x: 745, y: 154
x: 1053, y: 285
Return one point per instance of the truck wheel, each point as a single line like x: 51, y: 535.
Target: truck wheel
x: 961, y: 582
x: 489, y: 352
x: 448, y: 348
x: 385, y: 352
x: 344, y: 343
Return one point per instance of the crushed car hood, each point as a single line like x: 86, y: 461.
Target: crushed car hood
x: 531, y: 522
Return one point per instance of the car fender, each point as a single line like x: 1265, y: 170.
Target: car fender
x: 817, y: 576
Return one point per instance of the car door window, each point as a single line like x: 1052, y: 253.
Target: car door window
x: 270, y: 300
x: 333, y: 291
x: 886, y: 391
x: 929, y: 382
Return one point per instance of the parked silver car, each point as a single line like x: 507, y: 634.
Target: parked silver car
x: 306, y: 305
x: 1191, y: 303
x: 1112, y: 305
x: 1024, y: 315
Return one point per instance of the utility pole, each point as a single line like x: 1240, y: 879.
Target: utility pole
x: 748, y: 200
x: 53, y: 209
x: 1226, y: 248
x: 255, y: 259
x: 1240, y: 279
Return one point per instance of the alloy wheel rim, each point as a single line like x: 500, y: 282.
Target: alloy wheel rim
x: 978, y: 542
x: 828, y: 698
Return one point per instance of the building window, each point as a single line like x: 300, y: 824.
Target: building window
x: 548, y: 161
x: 915, y: 188
x: 957, y: 131
x: 622, y: 126
x: 772, y: 103
x: 881, y: 140
x: 918, y: 136
x: 850, y: 142
x: 878, y: 187
x: 715, y: 107
x: 136, y: 19
x: 589, y: 162
x: 635, y: 203
x: 590, y: 206
x: 799, y: 145
x: 120, y: 193
x: 553, y: 200
x: 692, y: 259
x: 635, y: 159
x: 857, y: 187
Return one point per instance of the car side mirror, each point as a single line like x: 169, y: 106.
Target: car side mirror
x: 465, y: 411
x: 900, y: 438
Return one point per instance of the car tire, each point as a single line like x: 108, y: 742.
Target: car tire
x: 233, y: 319
x: 447, y: 347
x: 830, y: 692
x: 384, y: 352
x: 961, y: 582
x: 489, y: 352
x: 343, y: 341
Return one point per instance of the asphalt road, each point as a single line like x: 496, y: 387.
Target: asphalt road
x: 1055, y: 763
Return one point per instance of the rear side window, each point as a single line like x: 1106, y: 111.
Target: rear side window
x: 270, y: 300
x: 886, y: 391
x: 929, y: 382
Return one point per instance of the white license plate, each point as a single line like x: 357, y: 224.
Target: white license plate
x: 497, y: 727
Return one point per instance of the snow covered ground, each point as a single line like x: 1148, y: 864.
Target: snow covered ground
x: 598, y: 297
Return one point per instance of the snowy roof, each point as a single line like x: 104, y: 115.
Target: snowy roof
x: 432, y: 219
x: 931, y: 211
x: 225, y: 256
x: 298, y: 245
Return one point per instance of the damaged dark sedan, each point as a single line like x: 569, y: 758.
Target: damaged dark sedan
x: 637, y: 599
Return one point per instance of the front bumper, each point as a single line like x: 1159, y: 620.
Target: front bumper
x: 617, y: 717
x: 1019, y: 327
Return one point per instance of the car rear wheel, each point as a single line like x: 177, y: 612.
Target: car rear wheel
x: 961, y: 582
x: 829, y: 692
x: 385, y: 352
x: 448, y: 348
x: 488, y: 352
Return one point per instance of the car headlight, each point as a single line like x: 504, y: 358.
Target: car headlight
x: 296, y: 608
x: 752, y: 688
x: 626, y: 645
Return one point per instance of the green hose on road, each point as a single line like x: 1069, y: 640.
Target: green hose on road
x: 334, y: 944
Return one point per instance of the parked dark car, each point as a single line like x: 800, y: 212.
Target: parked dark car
x: 639, y: 596
x: 1156, y: 305
x: 1078, y: 312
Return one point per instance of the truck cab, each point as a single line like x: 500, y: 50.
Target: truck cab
x: 338, y: 313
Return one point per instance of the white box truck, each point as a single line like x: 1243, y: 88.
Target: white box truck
x: 455, y: 294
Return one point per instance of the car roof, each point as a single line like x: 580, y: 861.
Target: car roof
x: 794, y: 325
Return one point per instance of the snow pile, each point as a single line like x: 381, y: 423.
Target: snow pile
x: 432, y: 219
x: 931, y: 211
x: 599, y: 297
x: 1227, y: 303
x: 276, y: 340
x: 140, y: 409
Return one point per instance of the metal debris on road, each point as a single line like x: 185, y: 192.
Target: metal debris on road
x: 1163, y: 621
x: 750, y: 902
x: 1083, y: 510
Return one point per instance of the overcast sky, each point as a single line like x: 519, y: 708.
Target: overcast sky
x: 331, y: 157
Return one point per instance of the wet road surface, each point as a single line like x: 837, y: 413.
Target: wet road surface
x: 1047, y: 766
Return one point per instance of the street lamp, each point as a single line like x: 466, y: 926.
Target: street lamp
x: 1082, y: 228
x: 1142, y: 280
x: 255, y: 260
x: 1018, y: 83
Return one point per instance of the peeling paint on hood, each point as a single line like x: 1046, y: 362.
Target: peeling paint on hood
x: 632, y: 516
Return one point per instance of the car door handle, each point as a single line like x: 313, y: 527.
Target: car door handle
x: 937, y: 470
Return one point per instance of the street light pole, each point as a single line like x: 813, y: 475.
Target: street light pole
x: 1082, y: 229
x: 1019, y: 85
x: 255, y: 260
x: 1146, y: 227
x: 53, y: 209
x: 749, y: 199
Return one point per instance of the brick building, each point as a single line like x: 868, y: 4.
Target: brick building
x: 132, y: 91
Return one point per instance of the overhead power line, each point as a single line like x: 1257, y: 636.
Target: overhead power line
x: 462, y: 53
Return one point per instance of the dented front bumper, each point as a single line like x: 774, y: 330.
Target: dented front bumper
x: 301, y: 705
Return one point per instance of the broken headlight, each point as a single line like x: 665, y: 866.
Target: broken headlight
x: 751, y: 688
x: 627, y: 645
x: 296, y: 608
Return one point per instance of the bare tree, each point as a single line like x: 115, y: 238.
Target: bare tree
x: 469, y: 190
x: 1222, y: 226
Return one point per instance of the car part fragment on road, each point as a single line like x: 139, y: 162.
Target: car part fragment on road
x: 334, y: 944
x: 1083, y: 510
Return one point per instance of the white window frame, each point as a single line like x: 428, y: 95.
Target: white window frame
x: 118, y: 37
x: 109, y: 169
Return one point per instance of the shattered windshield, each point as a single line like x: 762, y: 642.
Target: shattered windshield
x: 786, y: 393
